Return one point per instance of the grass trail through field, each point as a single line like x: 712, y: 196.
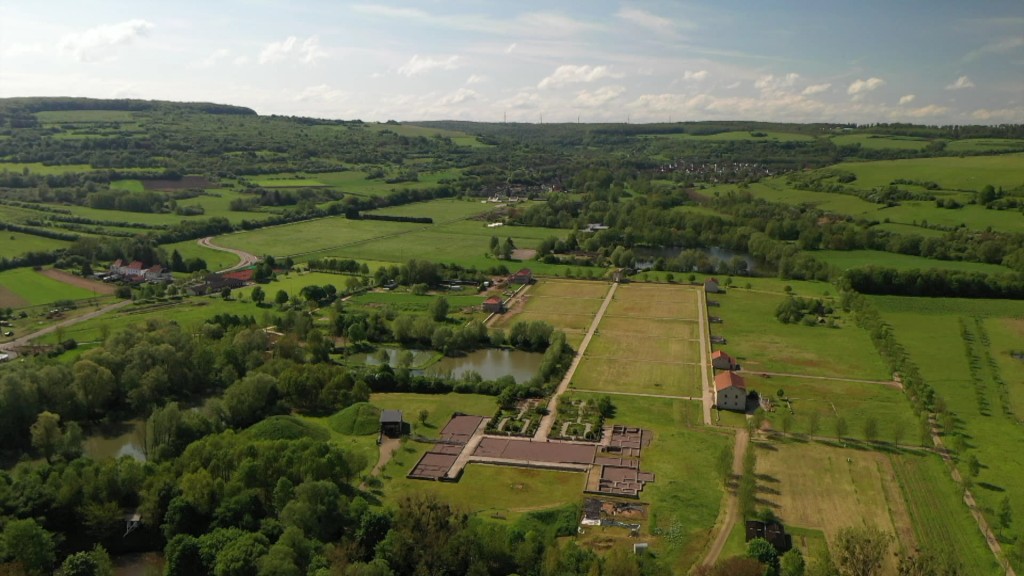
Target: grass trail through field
x: 732, y: 502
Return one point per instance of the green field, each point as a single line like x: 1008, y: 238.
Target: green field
x: 16, y: 243
x: 311, y: 236
x: 930, y: 330
x: 940, y: 519
x: 763, y: 344
x: 441, y: 210
x: 84, y: 116
x: 215, y: 259
x: 22, y: 287
x: 966, y: 173
x: 40, y: 168
x: 845, y: 260
x: 879, y: 142
x: 769, y: 136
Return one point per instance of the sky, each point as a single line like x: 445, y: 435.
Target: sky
x: 862, y: 61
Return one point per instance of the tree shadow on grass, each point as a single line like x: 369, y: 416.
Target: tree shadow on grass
x: 991, y: 487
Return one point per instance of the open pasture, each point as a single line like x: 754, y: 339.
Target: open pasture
x: 26, y: 287
x: 986, y: 145
x: 845, y: 489
x: 683, y: 308
x: 552, y: 305
x: 628, y: 350
x: 314, y: 237
x: 959, y: 173
x: 971, y: 215
x: 881, y: 142
x: 650, y: 329
x: 16, y: 243
x: 627, y: 375
x: 761, y: 343
x: 569, y: 289
x: 828, y: 400
x: 441, y: 210
x: 568, y: 323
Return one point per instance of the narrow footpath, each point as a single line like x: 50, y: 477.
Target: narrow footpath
x: 549, y: 419
x: 732, y: 508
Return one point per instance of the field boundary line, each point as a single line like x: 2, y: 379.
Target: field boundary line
x: 641, y: 394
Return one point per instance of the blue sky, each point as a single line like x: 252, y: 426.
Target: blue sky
x: 924, y: 61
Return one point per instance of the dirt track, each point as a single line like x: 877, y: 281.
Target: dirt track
x: 24, y: 340
x: 732, y: 507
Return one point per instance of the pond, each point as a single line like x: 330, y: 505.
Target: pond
x: 113, y: 441
x: 645, y: 257
x: 138, y: 564
x: 489, y: 363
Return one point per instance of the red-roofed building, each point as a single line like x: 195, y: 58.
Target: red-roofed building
x: 730, y: 392
x: 524, y: 276
x: 711, y: 286
x: 244, y: 275
x: 722, y: 361
x: 494, y: 305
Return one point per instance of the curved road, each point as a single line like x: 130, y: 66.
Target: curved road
x: 244, y: 258
x: 25, y: 340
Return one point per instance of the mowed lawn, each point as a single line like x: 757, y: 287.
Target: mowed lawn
x: 950, y: 173
x: 854, y: 402
x: 929, y: 329
x: 568, y: 305
x: 311, y: 236
x: 812, y: 485
x: 635, y: 377
x: 940, y: 519
x: 684, y: 498
x: 761, y: 343
x: 22, y: 287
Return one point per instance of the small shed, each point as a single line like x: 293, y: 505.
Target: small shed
x: 774, y: 532
x: 711, y: 286
x: 391, y: 423
x: 494, y: 305
x: 640, y: 548
x: 523, y: 276
x: 722, y: 361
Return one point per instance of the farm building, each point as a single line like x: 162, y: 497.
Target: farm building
x: 773, y: 532
x: 711, y: 286
x: 494, y: 305
x: 136, y: 270
x: 730, y: 392
x: 391, y: 423
x: 722, y: 361
x: 524, y: 276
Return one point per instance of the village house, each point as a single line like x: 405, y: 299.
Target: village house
x: 494, y: 305
x: 722, y: 361
x: 138, y: 271
x: 523, y: 276
x: 711, y: 286
x: 730, y: 392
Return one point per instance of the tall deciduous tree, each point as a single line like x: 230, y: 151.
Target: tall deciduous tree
x: 860, y: 551
x: 28, y: 543
x: 46, y: 434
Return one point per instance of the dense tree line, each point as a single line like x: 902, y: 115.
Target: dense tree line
x: 934, y: 283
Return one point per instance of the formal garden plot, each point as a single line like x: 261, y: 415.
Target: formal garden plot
x: 624, y: 327
x: 578, y: 419
x: 614, y: 375
x: 664, y: 350
x: 845, y: 488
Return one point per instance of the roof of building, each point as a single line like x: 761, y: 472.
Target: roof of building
x: 117, y: 263
x: 524, y: 272
x: 156, y: 269
x: 720, y: 354
x: 390, y: 416
x: 136, y: 265
x: 728, y: 380
x: 493, y: 300
x: 243, y: 275
x: 715, y: 280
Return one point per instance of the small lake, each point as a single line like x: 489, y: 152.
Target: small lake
x: 645, y: 257
x: 115, y: 441
x: 489, y: 363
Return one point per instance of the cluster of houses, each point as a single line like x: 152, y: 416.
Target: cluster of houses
x: 136, y: 271
x: 495, y: 304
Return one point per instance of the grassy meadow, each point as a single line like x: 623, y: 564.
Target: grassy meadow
x: 17, y: 243
x: 21, y: 287
x: 845, y: 260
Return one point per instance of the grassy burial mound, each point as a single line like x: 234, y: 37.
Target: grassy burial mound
x: 285, y: 428
x: 357, y: 420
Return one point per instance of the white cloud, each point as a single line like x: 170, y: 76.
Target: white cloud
x: 907, y: 99
x: 775, y: 85
x: 924, y: 111
x: 511, y: 48
x: 475, y: 79
x: 653, y: 22
x: 240, y: 61
x: 95, y: 43
x: 1000, y: 46
x: 961, y: 83
x: 308, y: 52
x: 459, y: 96
x: 695, y: 76
x: 417, y: 65
x: 1015, y: 115
x: 599, y: 97
x: 321, y: 92
x: 16, y: 50
x: 570, y: 74
x: 858, y: 88
x: 816, y: 89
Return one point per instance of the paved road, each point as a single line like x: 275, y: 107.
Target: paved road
x: 705, y: 356
x: 244, y: 258
x: 549, y: 419
x: 25, y: 340
x: 732, y: 506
